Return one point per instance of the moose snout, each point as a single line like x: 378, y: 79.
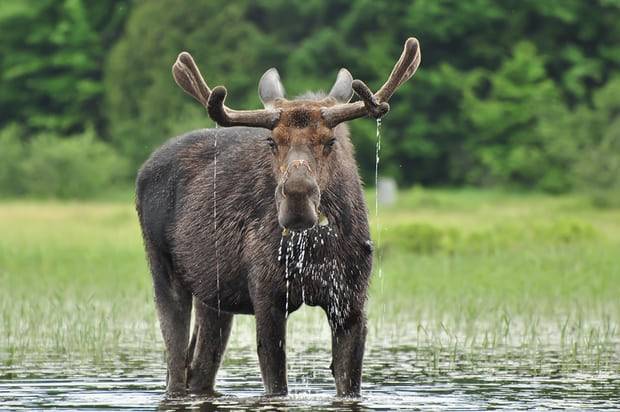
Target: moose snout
x: 299, y: 181
x: 298, y: 198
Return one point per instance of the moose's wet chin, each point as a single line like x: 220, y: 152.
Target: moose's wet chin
x: 299, y: 215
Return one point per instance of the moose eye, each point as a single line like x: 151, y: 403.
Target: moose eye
x: 272, y: 144
x: 328, y: 146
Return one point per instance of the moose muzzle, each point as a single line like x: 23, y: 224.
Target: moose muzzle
x: 298, y: 196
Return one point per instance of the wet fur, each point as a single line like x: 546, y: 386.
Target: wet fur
x: 190, y: 252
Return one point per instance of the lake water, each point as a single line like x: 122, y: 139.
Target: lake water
x: 395, y: 378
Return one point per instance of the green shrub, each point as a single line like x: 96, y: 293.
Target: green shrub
x: 566, y: 231
x: 76, y: 167
x: 11, y: 154
x: 597, y: 171
x: 423, y: 238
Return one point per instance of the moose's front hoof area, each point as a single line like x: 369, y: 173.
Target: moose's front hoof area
x: 349, y: 396
x: 205, y: 392
x: 176, y: 391
x: 276, y: 394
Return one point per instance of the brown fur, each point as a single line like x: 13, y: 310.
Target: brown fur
x: 226, y: 256
x: 213, y: 234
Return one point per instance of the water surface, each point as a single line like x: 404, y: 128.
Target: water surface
x: 395, y: 378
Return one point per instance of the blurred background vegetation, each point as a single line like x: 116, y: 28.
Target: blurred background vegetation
x: 514, y: 93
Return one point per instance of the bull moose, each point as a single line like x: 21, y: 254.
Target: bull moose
x: 259, y: 216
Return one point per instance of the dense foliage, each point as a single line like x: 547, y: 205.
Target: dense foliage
x: 512, y: 92
x: 52, y: 61
x: 78, y: 166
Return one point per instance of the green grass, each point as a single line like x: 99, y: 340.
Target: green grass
x: 464, y: 273
x: 72, y: 277
x: 482, y: 270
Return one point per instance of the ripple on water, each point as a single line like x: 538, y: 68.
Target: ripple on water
x: 134, y: 380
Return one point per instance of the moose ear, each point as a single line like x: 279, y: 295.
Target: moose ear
x: 270, y: 87
x: 342, y: 90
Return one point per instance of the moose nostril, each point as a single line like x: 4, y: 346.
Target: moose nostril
x: 295, y: 164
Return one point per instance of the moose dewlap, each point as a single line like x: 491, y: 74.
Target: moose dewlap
x: 213, y: 205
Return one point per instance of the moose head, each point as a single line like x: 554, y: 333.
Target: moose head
x: 304, y: 132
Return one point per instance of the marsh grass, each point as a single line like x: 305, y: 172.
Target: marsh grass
x: 527, y: 277
x: 469, y: 280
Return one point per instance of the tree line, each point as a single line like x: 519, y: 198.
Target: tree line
x: 517, y: 93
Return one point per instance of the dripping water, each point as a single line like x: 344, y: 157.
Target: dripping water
x: 301, y: 245
x: 296, y: 253
x: 377, y: 224
x: 377, y: 150
x: 217, y: 258
x: 294, y: 249
x: 280, y: 249
x: 297, y: 240
x: 286, y: 272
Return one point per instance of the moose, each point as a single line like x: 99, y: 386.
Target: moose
x: 258, y: 216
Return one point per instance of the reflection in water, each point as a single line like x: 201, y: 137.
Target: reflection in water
x: 394, y: 379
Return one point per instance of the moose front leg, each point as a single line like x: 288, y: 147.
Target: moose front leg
x: 271, y: 343
x: 211, y: 335
x: 348, y: 343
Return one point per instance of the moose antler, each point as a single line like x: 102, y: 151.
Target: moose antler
x: 188, y: 77
x: 376, y: 105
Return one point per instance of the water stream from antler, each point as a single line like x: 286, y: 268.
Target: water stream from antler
x: 377, y: 224
x: 377, y: 221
